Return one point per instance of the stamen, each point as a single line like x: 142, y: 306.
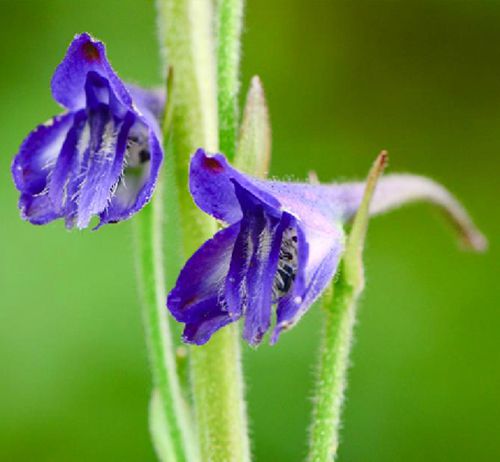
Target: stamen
x: 137, y: 152
x: 287, y: 265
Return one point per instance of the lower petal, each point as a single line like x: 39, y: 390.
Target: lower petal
x: 37, y: 209
x: 38, y: 154
x: 214, y: 318
x: 198, y: 291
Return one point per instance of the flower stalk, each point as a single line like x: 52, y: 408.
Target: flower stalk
x: 340, y: 315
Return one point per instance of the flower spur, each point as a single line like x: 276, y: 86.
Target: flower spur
x: 102, y: 156
x: 281, y: 247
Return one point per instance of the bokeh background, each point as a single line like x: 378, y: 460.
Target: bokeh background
x: 343, y: 80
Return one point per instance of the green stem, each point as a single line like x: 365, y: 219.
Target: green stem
x: 230, y: 20
x: 216, y: 375
x: 148, y: 234
x: 186, y: 27
x: 331, y: 380
x: 218, y: 391
x: 339, y: 320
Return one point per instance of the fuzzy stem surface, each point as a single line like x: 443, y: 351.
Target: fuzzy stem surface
x: 339, y: 320
x: 150, y: 273
x: 215, y: 368
x: 229, y: 25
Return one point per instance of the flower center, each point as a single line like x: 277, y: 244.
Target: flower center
x: 287, y: 265
x: 137, y: 152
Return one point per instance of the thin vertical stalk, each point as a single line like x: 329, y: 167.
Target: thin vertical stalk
x: 186, y: 26
x: 229, y: 21
x: 340, y: 315
x: 148, y: 236
x: 337, y: 334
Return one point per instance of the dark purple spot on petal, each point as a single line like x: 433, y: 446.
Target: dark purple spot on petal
x: 213, y: 164
x: 90, y: 52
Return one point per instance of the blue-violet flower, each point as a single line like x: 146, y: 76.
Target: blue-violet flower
x: 281, y: 247
x: 102, y: 156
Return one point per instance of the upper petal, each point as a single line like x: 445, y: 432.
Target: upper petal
x: 212, y: 181
x: 85, y: 54
x: 150, y: 103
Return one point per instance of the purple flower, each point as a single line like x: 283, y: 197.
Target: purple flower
x: 102, y: 156
x: 281, y: 247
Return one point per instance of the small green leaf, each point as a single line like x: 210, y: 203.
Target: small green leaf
x: 253, y: 154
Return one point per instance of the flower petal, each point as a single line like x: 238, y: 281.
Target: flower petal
x: 64, y: 176
x: 198, y: 289
x: 38, y: 154
x: 211, y: 185
x: 263, y: 267
x: 211, y: 182
x: 149, y: 102
x: 214, y: 318
x: 104, y: 166
x: 138, y: 179
x: 85, y: 54
x: 235, y: 290
x: 37, y: 209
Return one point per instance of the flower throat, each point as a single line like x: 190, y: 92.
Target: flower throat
x: 287, y: 265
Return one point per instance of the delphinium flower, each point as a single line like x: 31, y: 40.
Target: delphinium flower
x: 281, y: 246
x: 100, y: 157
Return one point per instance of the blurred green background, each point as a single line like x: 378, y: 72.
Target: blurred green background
x: 343, y: 80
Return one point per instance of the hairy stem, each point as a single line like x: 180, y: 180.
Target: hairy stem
x: 333, y: 364
x: 216, y: 375
x: 148, y: 233
x: 229, y: 22
x: 340, y: 315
